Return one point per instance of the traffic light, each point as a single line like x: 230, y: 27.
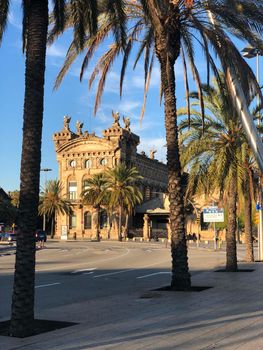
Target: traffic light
x: 256, y: 218
x: 198, y: 220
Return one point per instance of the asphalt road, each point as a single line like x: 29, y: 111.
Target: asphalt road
x: 71, y: 272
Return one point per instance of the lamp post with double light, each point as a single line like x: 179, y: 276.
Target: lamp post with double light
x: 45, y: 170
x: 252, y: 52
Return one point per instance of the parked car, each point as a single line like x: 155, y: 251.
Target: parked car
x: 8, y: 237
x: 41, y: 235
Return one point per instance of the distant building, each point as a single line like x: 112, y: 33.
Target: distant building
x: 4, y: 196
x: 81, y: 154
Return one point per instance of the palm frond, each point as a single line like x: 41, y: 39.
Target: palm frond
x: 4, y: 9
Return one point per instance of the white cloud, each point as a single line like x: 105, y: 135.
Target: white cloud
x: 56, y: 51
x: 127, y: 106
x: 113, y: 83
x: 137, y: 80
x: 14, y: 21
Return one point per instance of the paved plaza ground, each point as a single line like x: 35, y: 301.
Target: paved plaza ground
x: 107, y: 288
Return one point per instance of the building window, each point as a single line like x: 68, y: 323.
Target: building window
x: 87, y: 220
x: 85, y: 185
x: 72, y: 221
x: 103, y: 219
x: 72, y: 190
x: 72, y: 164
x: 88, y: 163
x: 147, y: 193
x: 103, y: 161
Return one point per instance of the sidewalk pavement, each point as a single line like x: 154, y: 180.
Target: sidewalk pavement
x: 228, y: 316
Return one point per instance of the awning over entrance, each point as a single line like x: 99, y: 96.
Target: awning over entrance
x: 155, y: 206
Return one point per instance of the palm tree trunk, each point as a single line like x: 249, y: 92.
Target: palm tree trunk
x: 167, y: 47
x: 126, y: 225
x: 52, y: 226
x: 120, y: 222
x: 98, y: 225
x: 24, y: 279
x: 231, y: 249
x: 248, y: 222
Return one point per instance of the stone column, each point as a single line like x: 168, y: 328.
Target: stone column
x: 146, y: 220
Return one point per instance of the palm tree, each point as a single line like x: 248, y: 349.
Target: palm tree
x: 167, y: 30
x: 52, y: 202
x: 35, y: 27
x: 96, y: 194
x: 123, y: 191
x: 217, y: 157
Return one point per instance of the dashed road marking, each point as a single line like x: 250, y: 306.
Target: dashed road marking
x: 154, y: 274
x: 47, y: 285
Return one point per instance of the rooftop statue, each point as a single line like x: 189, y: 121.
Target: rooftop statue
x: 127, y: 123
x: 66, y: 122
x: 116, y: 117
x: 152, y: 153
x: 79, y: 127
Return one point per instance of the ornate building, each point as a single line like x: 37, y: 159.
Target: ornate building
x: 81, y: 154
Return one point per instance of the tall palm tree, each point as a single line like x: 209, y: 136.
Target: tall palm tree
x: 124, y: 194
x: 35, y: 27
x: 96, y: 194
x: 52, y: 202
x: 166, y: 30
x: 216, y: 157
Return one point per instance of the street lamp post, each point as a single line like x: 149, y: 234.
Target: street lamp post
x: 251, y: 52
x: 45, y: 170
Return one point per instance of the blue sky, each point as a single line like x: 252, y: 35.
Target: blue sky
x: 72, y: 98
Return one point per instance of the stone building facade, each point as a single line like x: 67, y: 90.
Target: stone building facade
x: 81, y: 154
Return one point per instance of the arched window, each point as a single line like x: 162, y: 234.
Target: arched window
x: 88, y: 163
x: 72, y: 189
x: 72, y: 221
x: 87, y: 220
x: 103, y: 161
x: 85, y: 185
x: 103, y: 219
x: 72, y: 163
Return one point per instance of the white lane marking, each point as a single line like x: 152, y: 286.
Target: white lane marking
x: 84, y: 270
x: 113, y: 273
x: 47, y: 285
x: 83, y: 264
x: 129, y: 270
x: 88, y: 273
x: 153, y: 274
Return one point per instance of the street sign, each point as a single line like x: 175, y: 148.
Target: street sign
x: 213, y: 214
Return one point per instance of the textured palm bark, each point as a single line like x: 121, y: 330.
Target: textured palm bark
x: 120, y: 223
x: 24, y: 279
x: 248, y: 225
x: 167, y: 47
x: 231, y: 249
x: 98, y: 225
